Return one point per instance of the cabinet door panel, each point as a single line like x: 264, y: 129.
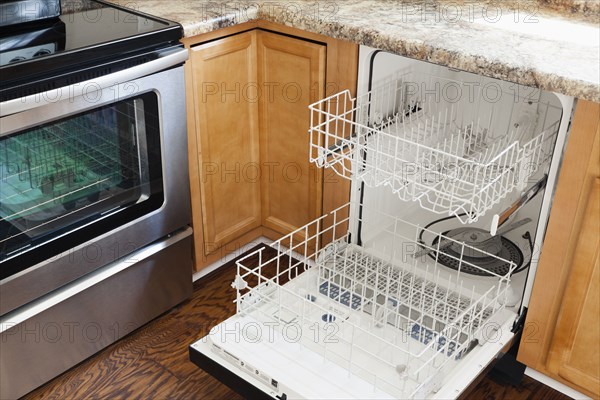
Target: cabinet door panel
x: 292, y: 76
x: 561, y: 330
x: 224, y: 74
x: 574, y: 353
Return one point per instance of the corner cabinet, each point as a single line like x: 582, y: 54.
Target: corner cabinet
x: 561, y: 338
x: 227, y: 138
x: 248, y: 91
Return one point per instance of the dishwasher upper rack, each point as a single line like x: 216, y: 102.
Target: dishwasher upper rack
x: 453, y: 157
x: 401, y: 322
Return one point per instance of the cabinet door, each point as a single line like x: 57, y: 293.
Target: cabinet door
x: 291, y: 75
x: 225, y: 95
x: 561, y: 334
x: 574, y: 353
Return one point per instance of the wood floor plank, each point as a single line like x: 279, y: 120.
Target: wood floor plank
x: 202, y: 386
x: 528, y: 389
x: 152, y: 362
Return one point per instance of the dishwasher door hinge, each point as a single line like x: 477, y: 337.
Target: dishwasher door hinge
x: 520, y: 321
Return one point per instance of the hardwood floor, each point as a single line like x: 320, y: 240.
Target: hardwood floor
x: 529, y: 389
x: 152, y: 362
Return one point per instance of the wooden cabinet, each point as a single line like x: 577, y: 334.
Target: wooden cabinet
x: 226, y: 119
x: 248, y: 91
x: 574, y: 349
x: 561, y: 337
x: 291, y: 73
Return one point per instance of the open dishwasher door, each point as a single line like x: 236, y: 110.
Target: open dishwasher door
x: 281, y: 368
x: 412, y: 288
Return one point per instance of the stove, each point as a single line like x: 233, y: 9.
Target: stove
x: 54, y: 52
x: 94, y: 209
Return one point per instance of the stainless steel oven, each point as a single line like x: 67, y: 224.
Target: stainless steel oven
x: 94, y: 206
x: 86, y: 180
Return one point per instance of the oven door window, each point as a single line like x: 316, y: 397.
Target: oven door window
x: 65, y: 182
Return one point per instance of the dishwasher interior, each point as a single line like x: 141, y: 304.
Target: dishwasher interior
x: 393, y: 293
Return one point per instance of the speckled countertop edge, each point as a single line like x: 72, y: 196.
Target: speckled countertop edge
x: 459, y: 58
x: 362, y: 22
x: 590, y: 7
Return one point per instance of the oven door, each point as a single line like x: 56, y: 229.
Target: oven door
x: 85, y: 178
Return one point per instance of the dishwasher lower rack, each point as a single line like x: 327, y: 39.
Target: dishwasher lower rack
x: 397, y: 322
x: 453, y: 157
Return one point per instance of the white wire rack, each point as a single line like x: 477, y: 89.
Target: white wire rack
x: 59, y: 164
x: 396, y: 321
x: 453, y: 157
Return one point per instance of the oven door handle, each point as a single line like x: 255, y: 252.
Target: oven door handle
x: 33, y: 101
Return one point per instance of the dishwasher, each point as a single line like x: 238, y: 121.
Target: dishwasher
x: 418, y: 283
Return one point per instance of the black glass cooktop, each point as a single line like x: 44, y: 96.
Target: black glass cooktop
x: 87, y: 35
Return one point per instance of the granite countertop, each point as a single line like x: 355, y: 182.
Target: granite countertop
x: 550, y: 44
